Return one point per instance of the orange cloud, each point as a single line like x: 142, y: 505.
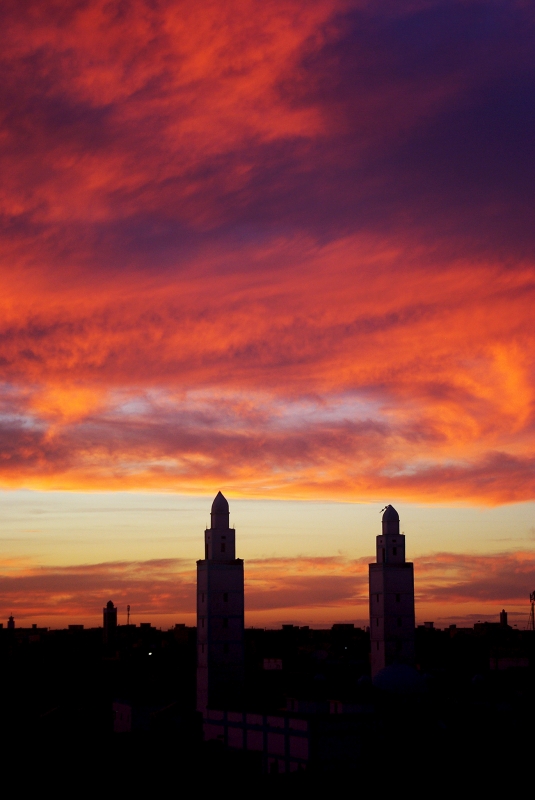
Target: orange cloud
x: 450, y: 587
x: 357, y: 397
x: 206, y: 76
x: 60, y: 593
x: 285, y: 249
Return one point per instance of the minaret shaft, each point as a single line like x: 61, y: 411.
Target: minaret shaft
x: 220, y: 616
x: 391, y: 585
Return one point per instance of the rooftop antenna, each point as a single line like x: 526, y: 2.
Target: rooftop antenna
x: 128, y: 615
x: 531, y: 623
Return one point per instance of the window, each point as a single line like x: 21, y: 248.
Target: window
x: 398, y: 598
x: 223, y: 547
x: 225, y: 597
x: 225, y: 622
x: 394, y: 551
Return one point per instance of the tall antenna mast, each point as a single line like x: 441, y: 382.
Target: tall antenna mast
x: 128, y: 615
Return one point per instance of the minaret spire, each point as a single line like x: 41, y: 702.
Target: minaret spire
x: 220, y: 513
x: 391, y: 598
x: 220, y: 622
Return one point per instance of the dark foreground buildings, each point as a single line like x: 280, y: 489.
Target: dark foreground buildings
x: 286, y: 705
x: 328, y: 702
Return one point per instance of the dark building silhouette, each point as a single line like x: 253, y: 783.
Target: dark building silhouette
x: 220, y: 621
x: 391, y: 583
x: 308, y: 704
x: 109, y: 618
x: 11, y: 623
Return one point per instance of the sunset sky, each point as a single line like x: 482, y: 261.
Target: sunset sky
x: 276, y: 248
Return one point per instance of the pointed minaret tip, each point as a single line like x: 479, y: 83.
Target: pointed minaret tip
x: 219, y: 516
x: 220, y: 504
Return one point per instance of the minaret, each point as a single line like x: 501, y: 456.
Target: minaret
x: 220, y: 625
x: 391, y: 598
x: 109, y: 619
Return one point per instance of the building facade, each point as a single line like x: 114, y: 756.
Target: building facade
x: 294, y: 742
x: 391, y: 584
x: 220, y: 620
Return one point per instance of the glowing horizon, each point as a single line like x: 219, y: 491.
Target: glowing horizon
x: 66, y: 554
x: 281, y: 249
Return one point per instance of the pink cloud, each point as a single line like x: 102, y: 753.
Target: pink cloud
x: 318, y: 590
x: 287, y: 249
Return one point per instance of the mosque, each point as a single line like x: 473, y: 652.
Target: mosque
x: 285, y: 739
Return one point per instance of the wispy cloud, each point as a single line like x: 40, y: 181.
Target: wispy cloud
x: 156, y: 586
x: 452, y: 586
x: 287, y: 248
